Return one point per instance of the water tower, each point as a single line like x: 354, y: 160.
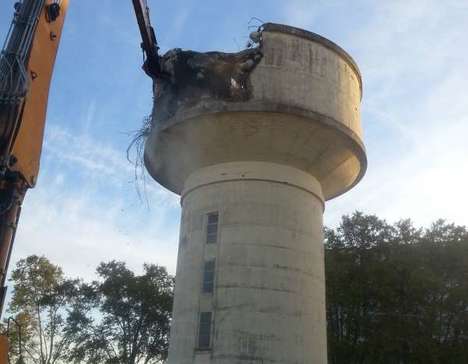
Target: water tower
x: 254, y: 143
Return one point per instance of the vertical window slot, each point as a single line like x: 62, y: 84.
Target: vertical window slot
x: 208, y: 276
x: 212, y: 228
x: 204, y: 331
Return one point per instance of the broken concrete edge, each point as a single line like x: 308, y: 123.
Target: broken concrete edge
x: 199, y: 99
x: 190, y: 76
x: 287, y: 29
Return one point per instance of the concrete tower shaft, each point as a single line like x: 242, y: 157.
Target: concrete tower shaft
x: 269, y: 287
x: 255, y: 142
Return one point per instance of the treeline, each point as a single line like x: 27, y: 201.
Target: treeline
x: 119, y: 318
x: 396, y: 294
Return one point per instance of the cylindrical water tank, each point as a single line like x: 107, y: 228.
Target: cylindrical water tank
x: 255, y: 142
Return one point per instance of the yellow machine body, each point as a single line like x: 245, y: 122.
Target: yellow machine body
x: 27, y: 145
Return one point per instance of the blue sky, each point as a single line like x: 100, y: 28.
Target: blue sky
x: 86, y: 207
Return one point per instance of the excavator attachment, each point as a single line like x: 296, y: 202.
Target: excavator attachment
x: 25, y: 153
x: 26, y: 66
x: 149, y: 43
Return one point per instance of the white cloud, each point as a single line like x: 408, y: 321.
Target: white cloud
x: 77, y: 234
x: 415, y: 113
x: 415, y: 117
x: 169, y: 38
x: 300, y: 13
x: 77, y: 226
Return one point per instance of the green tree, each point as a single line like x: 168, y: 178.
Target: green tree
x: 39, y: 300
x: 122, y: 317
x: 396, y: 294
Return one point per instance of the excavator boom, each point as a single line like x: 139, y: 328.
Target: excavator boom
x: 149, y: 43
x: 26, y: 66
x: 32, y: 51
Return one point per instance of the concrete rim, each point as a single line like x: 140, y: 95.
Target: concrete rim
x: 298, y: 32
x: 215, y: 107
x: 253, y: 171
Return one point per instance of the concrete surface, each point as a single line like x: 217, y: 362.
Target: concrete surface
x: 269, y: 282
x: 266, y: 164
x: 304, y: 112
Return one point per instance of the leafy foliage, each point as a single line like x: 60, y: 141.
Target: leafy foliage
x: 396, y: 294
x: 123, y: 317
x: 39, y: 303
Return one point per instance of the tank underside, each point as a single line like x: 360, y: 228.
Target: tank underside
x: 308, y: 141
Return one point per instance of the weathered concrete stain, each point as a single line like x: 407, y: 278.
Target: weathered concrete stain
x: 261, y: 137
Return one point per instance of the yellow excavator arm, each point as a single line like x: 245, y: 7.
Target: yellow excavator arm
x: 27, y: 145
x: 26, y: 66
